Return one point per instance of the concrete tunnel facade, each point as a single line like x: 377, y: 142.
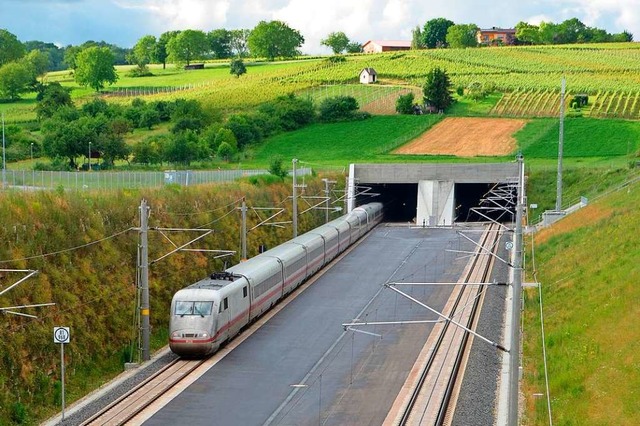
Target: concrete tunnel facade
x: 436, y: 190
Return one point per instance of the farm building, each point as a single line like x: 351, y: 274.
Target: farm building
x: 379, y: 46
x: 496, y: 36
x: 368, y: 75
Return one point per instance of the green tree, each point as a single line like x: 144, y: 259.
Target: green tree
x: 338, y: 108
x: 437, y: 89
x: 187, y: 46
x: 573, y: 31
x: 225, y: 135
x: 70, y: 56
x: 239, y: 43
x: 549, y: 33
x: 10, y: 47
x: 220, y: 43
x: 142, y: 52
x: 623, y: 37
x: 183, y: 149
x: 435, y: 32
x: 336, y: 41
x: 404, y: 103
x: 237, y: 67
x: 53, y: 52
x: 160, y: 52
x: 151, y: 150
x: 277, y: 168
x: 417, y: 39
x: 51, y: 98
x: 39, y: 62
x: 462, y: 35
x: 94, y: 68
x: 527, y: 33
x: 226, y: 151
x: 149, y: 117
x: 274, y: 39
x: 354, y: 47
x: 14, y: 79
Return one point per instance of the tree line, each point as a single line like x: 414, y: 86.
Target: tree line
x: 97, y: 129
x: 442, y: 33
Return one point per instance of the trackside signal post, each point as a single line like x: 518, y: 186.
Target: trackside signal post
x: 61, y: 336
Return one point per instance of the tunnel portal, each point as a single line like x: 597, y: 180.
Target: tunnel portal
x: 437, y: 194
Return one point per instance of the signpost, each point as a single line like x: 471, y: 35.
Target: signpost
x: 61, y: 335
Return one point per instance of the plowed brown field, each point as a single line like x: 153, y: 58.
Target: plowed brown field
x: 467, y: 137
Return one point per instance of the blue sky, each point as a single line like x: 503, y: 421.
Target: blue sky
x: 123, y: 22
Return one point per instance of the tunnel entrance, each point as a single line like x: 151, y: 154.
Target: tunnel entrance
x: 473, y: 202
x: 400, y: 200
x: 479, y: 202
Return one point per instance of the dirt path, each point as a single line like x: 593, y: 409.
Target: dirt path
x: 467, y: 137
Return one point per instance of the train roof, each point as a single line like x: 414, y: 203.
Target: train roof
x: 215, y: 281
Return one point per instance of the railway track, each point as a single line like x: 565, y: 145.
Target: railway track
x: 133, y: 402
x: 436, y: 384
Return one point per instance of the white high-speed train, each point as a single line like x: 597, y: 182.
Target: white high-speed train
x: 213, y: 310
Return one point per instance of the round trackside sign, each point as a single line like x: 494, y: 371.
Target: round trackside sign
x: 61, y: 335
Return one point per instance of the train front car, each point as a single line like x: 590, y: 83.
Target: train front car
x: 193, y: 320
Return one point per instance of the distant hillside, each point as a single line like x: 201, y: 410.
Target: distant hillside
x: 589, y: 268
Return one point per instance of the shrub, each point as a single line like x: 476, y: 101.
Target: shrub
x: 276, y: 167
x: 19, y: 413
x: 140, y: 71
x: 225, y: 151
x: 336, y: 59
x: 338, y: 108
x: 404, y: 103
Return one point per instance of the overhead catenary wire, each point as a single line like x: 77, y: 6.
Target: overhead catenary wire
x: 543, y: 340
x: 38, y: 256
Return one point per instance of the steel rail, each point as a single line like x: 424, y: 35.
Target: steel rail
x: 488, y: 238
x: 130, y: 404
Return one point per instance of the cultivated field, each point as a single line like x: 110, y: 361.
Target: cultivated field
x: 467, y: 137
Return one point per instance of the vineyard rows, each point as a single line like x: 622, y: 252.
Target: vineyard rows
x: 587, y: 69
x: 546, y: 103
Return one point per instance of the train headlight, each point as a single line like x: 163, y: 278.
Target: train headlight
x: 176, y: 334
x: 205, y: 335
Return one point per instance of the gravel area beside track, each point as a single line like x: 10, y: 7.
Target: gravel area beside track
x: 81, y: 410
x: 478, y: 398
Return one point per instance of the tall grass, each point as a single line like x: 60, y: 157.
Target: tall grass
x: 589, y: 270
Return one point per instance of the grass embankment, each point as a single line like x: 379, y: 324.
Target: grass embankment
x: 589, y: 270
x: 94, y: 286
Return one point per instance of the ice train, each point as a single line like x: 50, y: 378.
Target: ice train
x: 213, y: 310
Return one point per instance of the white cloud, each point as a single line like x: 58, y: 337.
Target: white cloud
x: 183, y: 14
x: 125, y: 21
x: 315, y: 20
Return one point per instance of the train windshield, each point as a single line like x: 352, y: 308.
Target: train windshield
x: 193, y: 308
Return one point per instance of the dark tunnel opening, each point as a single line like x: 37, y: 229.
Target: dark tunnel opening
x: 469, y: 206
x: 400, y: 200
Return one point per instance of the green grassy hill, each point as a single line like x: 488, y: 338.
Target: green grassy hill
x: 589, y: 268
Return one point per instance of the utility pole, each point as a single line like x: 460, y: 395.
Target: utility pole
x: 560, y: 147
x: 295, y: 199
x: 516, y: 306
x: 244, y: 230
x: 326, y: 194
x: 144, y: 280
x: 4, y: 158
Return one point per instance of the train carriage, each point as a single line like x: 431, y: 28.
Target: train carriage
x: 213, y: 310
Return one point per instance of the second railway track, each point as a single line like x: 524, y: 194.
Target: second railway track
x: 434, y: 392
x: 133, y: 402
